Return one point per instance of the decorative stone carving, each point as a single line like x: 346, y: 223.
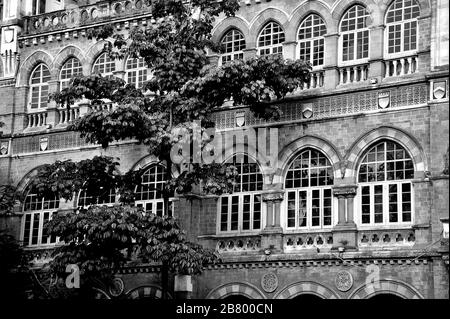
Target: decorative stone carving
x: 344, y: 280
x: 116, y: 287
x: 269, y: 282
x: 344, y: 191
x: 268, y: 197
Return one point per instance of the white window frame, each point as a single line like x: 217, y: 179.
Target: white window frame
x: 39, y: 87
x: 102, y: 204
x: 309, y: 226
x: 233, y: 53
x: 355, y: 61
x: 39, y: 214
x: 385, y: 195
x: 240, y: 230
x: 311, y: 41
x: 137, y: 72
x: 63, y: 83
x: 96, y: 63
x: 402, y: 23
x: 272, y: 46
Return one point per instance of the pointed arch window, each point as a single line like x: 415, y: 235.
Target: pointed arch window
x: 149, y: 193
x: 311, y: 42
x: 270, y: 39
x: 70, y: 69
x: 384, y: 177
x: 37, y: 211
x: 354, y: 34
x: 401, y: 26
x: 96, y: 196
x: 234, y: 44
x: 242, y: 210
x: 39, y: 87
x: 308, y: 184
x: 104, y: 65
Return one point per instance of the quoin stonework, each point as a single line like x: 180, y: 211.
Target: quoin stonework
x: 357, y: 204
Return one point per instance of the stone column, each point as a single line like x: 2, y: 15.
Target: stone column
x: 376, y: 68
x: 289, y: 50
x: 249, y: 53
x: 52, y: 108
x: 272, y: 234
x: 183, y: 286
x: 345, y: 232
x: 331, y: 61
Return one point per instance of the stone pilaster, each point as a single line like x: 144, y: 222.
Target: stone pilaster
x: 249, y: 53
x: 289, y: 50
x: 214, y: 59
x: 331, y: 61
x: 345, y: 232
x: 272, y: 234
x: 376, y: 69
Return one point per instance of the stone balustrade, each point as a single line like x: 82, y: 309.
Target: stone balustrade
x: 36, y: 119
x: 66, y: 116
x: 353, y: 74
x: 296, y: 242
x: 239, y: 244
x: 386, y: 238
x: 400, y: 66
x: 83, y: 16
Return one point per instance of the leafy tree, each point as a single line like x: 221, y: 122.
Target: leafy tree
x: 184, y: 88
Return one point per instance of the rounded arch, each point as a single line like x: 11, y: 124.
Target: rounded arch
x: 291, y: 150
x: 266, y: 16
x: 306, y: 287
x: 148, y: 291
x: 424, y: 6
x: 236, y: 288
x: 67, y: 53
x: 92, y: 54
x: 229, y: 23
x: 395, y: 287
x: 375, y: 11
x: 148, y: 160
x: 30, y: 63
x: 304, y: 10
x: 408, y: 142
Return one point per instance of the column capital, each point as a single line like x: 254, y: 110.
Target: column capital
x: 273, y: 196
x: 345, y: 191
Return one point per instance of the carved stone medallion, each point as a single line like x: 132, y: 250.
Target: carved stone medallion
x: 344, y: 280
x: 269, y: 282
x: 117, y: 287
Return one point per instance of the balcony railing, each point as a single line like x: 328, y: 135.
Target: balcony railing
x: 353, y: 74
x: 400, y: 66
x: 36, y: 119
x: 386, y: 238
x: 66, y: 116
x: 298, y: 242
x: 240, y: 244
x: 83, y: 15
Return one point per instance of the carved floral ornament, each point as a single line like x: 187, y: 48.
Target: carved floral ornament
x: 270, y: 197
x: 269, y: 282
x: 345, y: 191
x: 343, y: 280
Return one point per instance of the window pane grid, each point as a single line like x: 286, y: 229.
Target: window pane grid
x: 39, y: 87
x: 401, y: 22
x: 234, y: 44
x: 270, y: 39
x: 311, y: 42
x: 386, y: 196
x: 92, y: 197
x: 355, y: 40
x: 70, y: 69
x: 136, y: 72
x: 104, y: 65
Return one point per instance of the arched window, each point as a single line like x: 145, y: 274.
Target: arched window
x: 309, y: 196
x: 311, y: 41
x: 354, y: 37
x: 401, y: 26
x: 39, y: 87
x: 96, y: 196
x: 242, y: 210
x: 234, y: 43
x: 70, y: 69
x: 37, y: 210
x: 104, y: 65
x: 270, y: 40
x: 384, y: 176
x: 137, y: 72
x: 149, y: 192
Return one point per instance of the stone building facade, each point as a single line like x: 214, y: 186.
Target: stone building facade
x: 357, y: 203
